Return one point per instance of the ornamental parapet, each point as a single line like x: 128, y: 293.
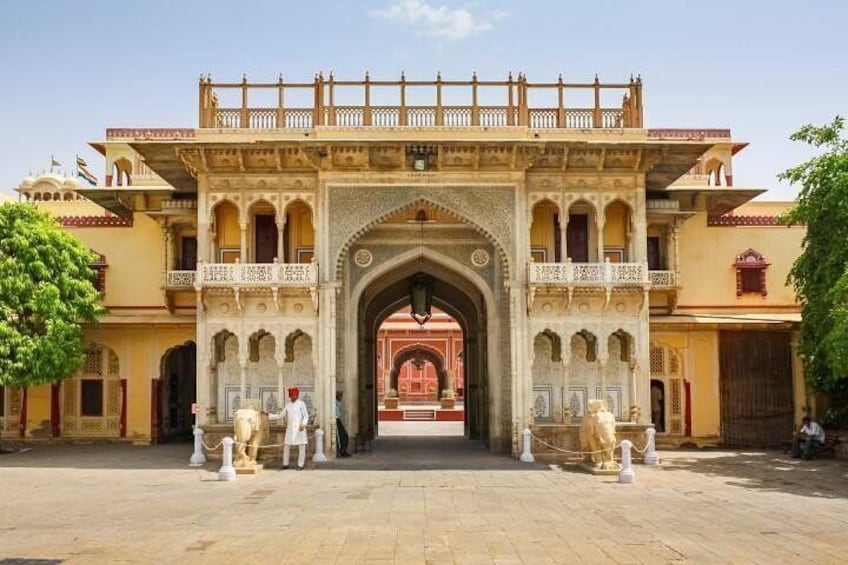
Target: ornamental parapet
x: 663, y: 279
x: 244, y: 275
x: 607, y: 274
x: 257, y: 274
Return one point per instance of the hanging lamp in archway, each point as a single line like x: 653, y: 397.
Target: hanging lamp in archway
x: 421, y: 298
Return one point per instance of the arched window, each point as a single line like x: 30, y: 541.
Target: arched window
x: 751, y: 273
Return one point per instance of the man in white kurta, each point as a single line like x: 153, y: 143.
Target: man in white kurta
x: 296, y: 417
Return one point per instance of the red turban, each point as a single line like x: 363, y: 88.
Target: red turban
x: 293, y: 392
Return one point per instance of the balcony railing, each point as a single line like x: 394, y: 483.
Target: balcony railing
x: 515, y: 110
x: 180, y: 279
x: 588, y: 274
x: 244, y: 275
x: 258, y: 274
x: 663, y: 279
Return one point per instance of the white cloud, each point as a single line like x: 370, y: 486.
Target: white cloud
x: 440, y: 21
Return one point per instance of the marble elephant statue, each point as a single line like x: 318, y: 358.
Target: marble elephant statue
x: 597, y: 435
x: 248, y: 430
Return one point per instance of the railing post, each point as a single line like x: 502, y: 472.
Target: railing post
x: 560, y: 103
x: 202, y: 104
x: 510, y: 106
x: 637, y: 109
x: 245, y: 119
x: 366, y: 112
x: 440, y: 114
x: 526, y: 455
x: 281, y: 103
x: 227, y: 472
x: 523, y: 111
x: 318, y: 110
x: 402, y: 111
x: 475, y: 109
x: 319, y: 456
x: 332, y: 103
x: 651, y: 457
x: 197, y: 458
x: 596, y: 114
x: 626, y: 475
x: 607, y: 270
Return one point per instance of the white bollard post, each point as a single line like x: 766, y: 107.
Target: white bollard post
x: 227, y: 471
x: 651, y: 457
x: 197, y: 458
x: 319, y: 456
x: 526, y: 455
x: 626, y: 475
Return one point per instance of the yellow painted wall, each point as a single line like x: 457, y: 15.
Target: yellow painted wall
x: 707, y: 255
x: 136, y: 261
x: 140, y: 349
x: 38, y: 412
x: 699, y: 356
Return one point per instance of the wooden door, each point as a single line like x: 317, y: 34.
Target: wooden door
x: 756, y: 388
x: 654, y: 254
x: 577, y: 238
x: 188, y: 254
x: 266, y: 238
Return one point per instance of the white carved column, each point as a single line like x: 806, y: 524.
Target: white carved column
x: 203, y: 363
x: 565, y: 366
x: 281, y: 228
x: 675, y: 248
x: 325, y: 378
x: 640, y: 229
x: 599, y: 223
x: 602, y: 352
x: 243, y: 243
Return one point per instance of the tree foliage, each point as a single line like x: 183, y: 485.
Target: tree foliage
x: 820, y: 273
x: 46, y: 292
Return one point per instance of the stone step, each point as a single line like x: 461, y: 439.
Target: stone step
x: 419, y: 415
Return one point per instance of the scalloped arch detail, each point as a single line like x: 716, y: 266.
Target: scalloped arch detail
x: 418, y: 203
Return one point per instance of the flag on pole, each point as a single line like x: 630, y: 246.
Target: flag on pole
x: 54, y: 163
x: 84, y: 173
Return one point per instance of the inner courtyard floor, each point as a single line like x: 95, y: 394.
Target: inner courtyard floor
x: 418, y: 500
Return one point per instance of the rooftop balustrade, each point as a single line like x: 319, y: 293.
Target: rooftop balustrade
x: 324, y: 110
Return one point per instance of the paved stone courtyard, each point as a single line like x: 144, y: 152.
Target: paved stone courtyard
x: 421, y: 500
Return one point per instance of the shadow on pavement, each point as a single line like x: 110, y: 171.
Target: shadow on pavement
x: 429, y: 453
x: 766, y: 470
x: 100, y: 456
x: 386, y: 454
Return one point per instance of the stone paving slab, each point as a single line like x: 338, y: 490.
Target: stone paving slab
x: 423, y: 500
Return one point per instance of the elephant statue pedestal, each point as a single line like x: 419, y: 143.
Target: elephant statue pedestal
x: 598, y: 440
x: 250, y: 427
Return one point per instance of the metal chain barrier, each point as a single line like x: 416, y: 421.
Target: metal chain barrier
x: 562, y: 450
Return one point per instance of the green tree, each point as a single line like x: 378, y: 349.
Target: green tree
x: 46, y: 292
x: 820, y: 273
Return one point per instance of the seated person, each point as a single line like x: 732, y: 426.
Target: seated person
x: 809, y: 439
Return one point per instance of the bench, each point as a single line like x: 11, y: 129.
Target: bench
x: 831, y: 440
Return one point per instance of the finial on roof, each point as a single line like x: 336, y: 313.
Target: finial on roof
x: 402, y: 76
x: 367, y: 75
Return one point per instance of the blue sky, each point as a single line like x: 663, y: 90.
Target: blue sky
x: 761, y: 67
